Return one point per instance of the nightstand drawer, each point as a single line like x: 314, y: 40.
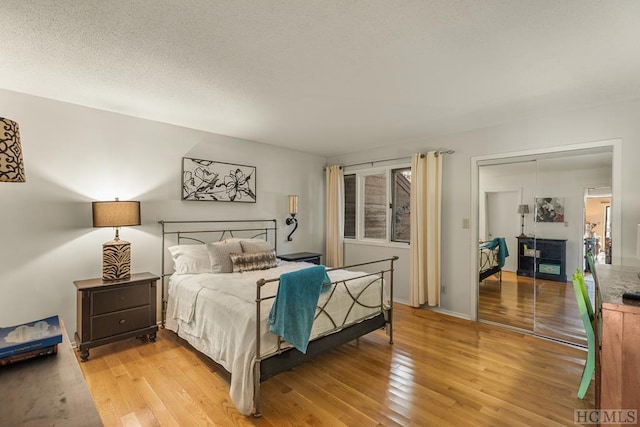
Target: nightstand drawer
x: 109, y: 300
x: 120, y: 322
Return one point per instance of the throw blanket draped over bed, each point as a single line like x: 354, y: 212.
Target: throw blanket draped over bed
x: 294, y: 309
x: 503, y: 251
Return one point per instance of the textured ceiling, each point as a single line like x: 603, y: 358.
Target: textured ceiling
x: 326, y: 77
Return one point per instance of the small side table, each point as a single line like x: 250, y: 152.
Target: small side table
x: 113, y: 310
x: 312, y: 257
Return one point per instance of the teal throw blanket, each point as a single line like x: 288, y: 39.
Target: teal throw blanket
x: 503, y: 251
x: 294, y: 308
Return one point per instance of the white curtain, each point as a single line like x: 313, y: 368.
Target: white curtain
x: 334, y: 255
x: 426, y: 196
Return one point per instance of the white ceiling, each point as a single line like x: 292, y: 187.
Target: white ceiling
x: 327, y: 77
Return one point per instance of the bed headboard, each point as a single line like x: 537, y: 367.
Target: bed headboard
x: 205, y: 231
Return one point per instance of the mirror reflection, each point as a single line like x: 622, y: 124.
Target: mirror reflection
x: 538, y: 217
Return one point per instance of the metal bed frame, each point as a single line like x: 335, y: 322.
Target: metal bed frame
x: 286, y: 357
x: 496, y: 269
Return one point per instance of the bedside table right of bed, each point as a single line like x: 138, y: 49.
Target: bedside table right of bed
x: 311, y: 257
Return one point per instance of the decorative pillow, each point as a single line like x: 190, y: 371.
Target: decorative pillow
x: 254, y: 261
x: 255, y: 245
x: 219, y: 255
x: 190, y: 259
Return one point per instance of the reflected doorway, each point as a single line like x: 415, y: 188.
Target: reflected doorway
x: 597, y: 225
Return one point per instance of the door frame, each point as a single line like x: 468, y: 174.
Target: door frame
x: 588, y: 196
x: 484, y: 196
x: 616, y: 212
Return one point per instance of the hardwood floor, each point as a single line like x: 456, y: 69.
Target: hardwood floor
x: 512, y: 303
x: 440, y: 371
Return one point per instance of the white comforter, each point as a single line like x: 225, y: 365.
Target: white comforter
x: 216, y: 314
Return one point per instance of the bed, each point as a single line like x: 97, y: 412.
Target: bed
x: 216, y: 312
x: 491, y: 258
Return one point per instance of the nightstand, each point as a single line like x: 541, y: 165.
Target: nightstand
x: 311, y: 257
x: 113, y: 310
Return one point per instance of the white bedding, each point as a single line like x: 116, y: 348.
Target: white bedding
x: 216, y: 314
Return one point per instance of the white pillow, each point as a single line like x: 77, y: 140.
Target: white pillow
x: 190, y: 259
x: 219, y: 258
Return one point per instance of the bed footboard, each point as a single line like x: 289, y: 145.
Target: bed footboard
x: 488, y: 262
x: 286, y: 357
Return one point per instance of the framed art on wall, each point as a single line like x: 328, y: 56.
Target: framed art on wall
x: 208, y: 180
x: 549, y: 209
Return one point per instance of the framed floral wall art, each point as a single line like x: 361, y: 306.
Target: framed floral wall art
x: 217, y: 181
x: 549, y: 209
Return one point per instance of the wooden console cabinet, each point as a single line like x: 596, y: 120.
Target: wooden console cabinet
x: 542, y: 258
x: 113, y: 310
x: 47, y: 391
x: 617, y: 338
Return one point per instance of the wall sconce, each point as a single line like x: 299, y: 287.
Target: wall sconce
x: 523, y: 210
x: 116, y: 253
x: 11, y: 165
x: 293, y: 210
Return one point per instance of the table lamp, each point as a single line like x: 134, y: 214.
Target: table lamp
x: 523, y: 210
x: 116, y: 253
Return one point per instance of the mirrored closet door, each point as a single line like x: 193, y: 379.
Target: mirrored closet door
x: 535, y: 209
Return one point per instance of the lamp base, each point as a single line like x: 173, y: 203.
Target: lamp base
x: 116, y: 260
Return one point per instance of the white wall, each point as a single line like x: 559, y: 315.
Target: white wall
x: 603, y: 123
x: 549, y: 178
x: 74, y: 155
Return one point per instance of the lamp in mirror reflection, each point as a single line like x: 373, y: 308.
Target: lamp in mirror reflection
x: 11, y: 164
x: 293, y: 211
x: 523, y: 210
x: 116, y: 253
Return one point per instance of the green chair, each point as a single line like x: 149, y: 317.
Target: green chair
x: 592, y: 268
x: 592, y: 265
x: 584, y: 306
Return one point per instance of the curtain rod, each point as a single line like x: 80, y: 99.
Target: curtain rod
x: 438, y: 152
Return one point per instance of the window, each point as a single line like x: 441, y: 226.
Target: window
x: 401, y: 205
x: 377, y: 205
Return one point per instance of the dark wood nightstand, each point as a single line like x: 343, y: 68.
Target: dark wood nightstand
x: 311, y: 257
x: 113, y: 310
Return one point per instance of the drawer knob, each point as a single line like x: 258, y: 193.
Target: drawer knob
x: 122, y: 321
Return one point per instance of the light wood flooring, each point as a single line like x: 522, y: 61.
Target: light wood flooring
x: 440, y: 371
x: 555, y: 314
